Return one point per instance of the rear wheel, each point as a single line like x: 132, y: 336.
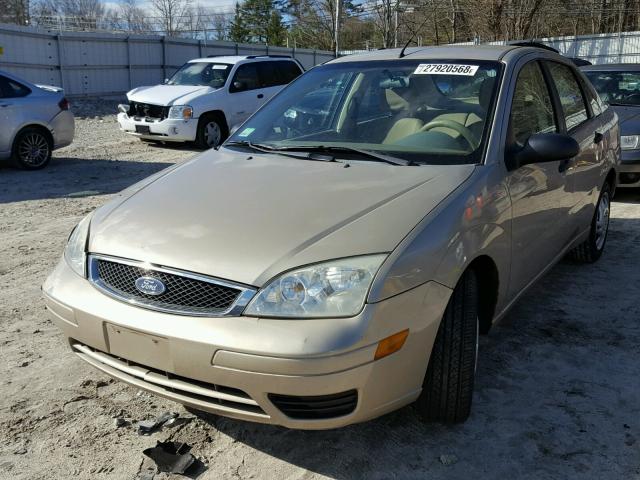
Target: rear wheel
x: 211, y: 131
x: 591, y: 249
x: 32, y: 149
x: 447, y: 389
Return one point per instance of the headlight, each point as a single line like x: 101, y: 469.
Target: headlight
x: 184, y: 112
x: 75, y: 252
x: 332, y: 289
x: 629, y: 142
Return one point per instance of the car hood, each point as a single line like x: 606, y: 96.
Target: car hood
x: 247, y: 218
x: 168, y: 94
x: 629, y: 119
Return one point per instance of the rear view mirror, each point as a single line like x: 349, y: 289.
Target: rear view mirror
x: 544, y: 147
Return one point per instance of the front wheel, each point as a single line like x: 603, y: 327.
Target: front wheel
x: 211, y: 131
x: 591, y: 249
x: 447, y: 389
x: 32, y: 149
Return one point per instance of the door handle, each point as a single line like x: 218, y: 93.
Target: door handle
x: 260, y: 95
x: 598, y: 137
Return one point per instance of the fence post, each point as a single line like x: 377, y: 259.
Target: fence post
x: 620, y: 46
x: 129, y: 63
x: 237, y: 48
x: 164, y: 58
x: 314, y: 58
x: 200, y: 48
x: 60, y: 62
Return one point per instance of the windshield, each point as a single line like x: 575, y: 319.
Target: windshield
x: 206, y: 74
x: 620, y: 88
x: 423, y: 112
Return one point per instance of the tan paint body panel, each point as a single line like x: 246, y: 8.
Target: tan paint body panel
x: 248, y: 220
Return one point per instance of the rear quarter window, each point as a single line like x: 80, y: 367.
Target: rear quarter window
x: 12, y: 89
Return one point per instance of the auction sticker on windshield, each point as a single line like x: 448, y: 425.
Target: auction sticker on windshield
x: 446, y: 69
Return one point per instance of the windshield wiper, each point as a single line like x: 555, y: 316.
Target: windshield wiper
x: 260, y: 147
x: 370, y: 155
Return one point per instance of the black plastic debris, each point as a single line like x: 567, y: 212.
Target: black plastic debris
x: 171, y: 457
x: 147, y: 427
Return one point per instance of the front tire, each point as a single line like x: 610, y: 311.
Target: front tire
x: 32, y: 149
x: 591, y: 249
x: 212, y: 131
x: 447, y: 390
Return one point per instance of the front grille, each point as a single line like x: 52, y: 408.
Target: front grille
x: 316, y: 407
x: 174, y: 386
x: 184, y: 293
x: 148, y: 110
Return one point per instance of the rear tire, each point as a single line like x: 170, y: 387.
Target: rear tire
x: 591, y: 249
x: 32, y: 149
x: 447, y: 390
x: 212, y: 131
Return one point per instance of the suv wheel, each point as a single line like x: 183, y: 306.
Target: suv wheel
x: 32, y: 149
x: 591, y: 249
x: 447, y: 389
x: 211, y: 131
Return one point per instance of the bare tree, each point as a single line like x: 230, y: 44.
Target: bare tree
x: 174, y: 14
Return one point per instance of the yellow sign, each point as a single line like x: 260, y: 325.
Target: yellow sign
x: 1, y: 50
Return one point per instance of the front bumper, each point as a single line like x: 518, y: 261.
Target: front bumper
x: 167, y: 130
x: 243, y: 367
x: 629, y: 169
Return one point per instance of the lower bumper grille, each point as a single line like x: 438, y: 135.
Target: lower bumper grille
x: 316, y: 407
x: 172, y: 386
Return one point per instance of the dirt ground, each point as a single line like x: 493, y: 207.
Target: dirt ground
x: 558, y: 385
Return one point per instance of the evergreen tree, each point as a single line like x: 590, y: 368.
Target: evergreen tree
x: 239, y: 32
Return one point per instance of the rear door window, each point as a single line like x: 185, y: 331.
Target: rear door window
x: 12, y: 89
x: 574, y: 108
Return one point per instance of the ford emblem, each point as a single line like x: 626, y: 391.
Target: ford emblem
x: 150, y: 286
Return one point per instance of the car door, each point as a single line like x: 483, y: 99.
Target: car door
x: 12, y: 105
x: 246, y: 93
x: 538, y: 191
x: 583, y: 171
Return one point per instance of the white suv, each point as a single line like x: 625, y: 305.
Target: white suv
x: 205, y: 98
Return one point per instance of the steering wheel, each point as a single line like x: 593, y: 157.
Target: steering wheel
x: 458, y: 127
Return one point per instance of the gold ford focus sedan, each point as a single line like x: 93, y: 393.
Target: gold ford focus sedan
x: 337, y: 257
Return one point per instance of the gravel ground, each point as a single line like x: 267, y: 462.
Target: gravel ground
x: 558, y: 387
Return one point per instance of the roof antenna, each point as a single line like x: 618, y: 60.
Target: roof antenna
x: 413, y: 35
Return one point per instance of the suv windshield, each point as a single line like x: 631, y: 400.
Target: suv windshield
x: 420, y: 111
x: 618, y: 88
x: 207, y: 74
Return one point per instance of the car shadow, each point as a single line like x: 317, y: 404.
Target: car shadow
x: 627, y: 195
x: 73, y: 177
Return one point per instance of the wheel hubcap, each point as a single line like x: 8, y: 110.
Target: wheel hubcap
x: 602, y: 220
x: 33, y: 150
x: 212, y: 134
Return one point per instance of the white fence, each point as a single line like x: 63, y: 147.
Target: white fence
x: 110, y: 64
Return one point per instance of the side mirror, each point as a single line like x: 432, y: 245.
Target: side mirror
x: 166, y: 80
x: 544, y: 147
x: 239, y: 86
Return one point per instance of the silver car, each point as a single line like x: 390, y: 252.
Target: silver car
x: 34, y: 121
x: 339, y: 255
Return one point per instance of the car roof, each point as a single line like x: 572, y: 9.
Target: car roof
x: 467, y: 52
x: 612, y: 67
x: 233, y: 59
